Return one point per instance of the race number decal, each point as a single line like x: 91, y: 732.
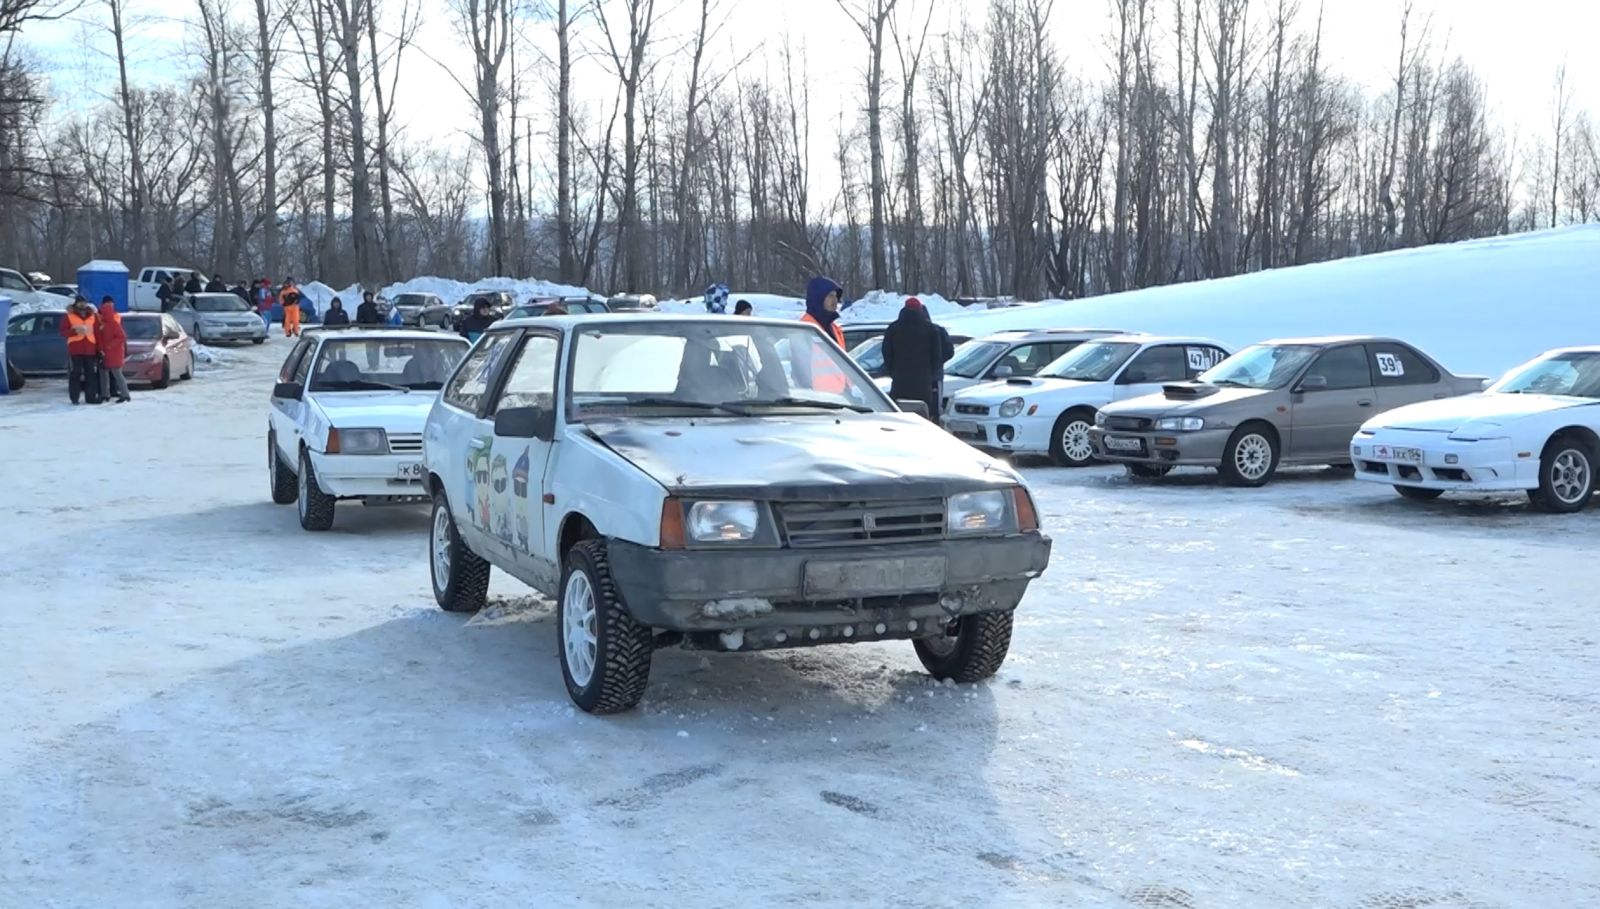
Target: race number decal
x: 1389, y: 365
x: 1202, y: 358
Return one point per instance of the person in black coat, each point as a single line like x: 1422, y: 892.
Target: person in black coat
x: 216, y: 285
x: 335, y: 314
x: 193, y: 286
x: 913, y: 357
x: 477, y: 323
x: 367, y: 313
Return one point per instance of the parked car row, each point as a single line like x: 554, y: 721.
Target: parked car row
x: 1375, y: 404
x: 159, y: 350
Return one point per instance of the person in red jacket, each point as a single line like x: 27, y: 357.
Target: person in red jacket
x: 83, y: 353
x: 113, y: 339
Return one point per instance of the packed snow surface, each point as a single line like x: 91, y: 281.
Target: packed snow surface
x: 1314, y: 694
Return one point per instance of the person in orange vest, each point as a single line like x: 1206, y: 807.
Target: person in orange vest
x: 113, y: 341
x: 820, y: 372
x: 290, y: 295
x: 83, y: 371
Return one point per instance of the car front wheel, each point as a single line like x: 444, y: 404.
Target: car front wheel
x: 1069, y: 440
x: 605, y: 654
x: 1250, y: 458
x: 166, y: 374
x: 460, y: 577
x: 971, y: 649
x: 315, y: 506
x: 1566, y: 476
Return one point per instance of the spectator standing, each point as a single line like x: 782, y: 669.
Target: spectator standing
x: 193, y: 286
x: 913, y: 357
x: 78, y: 328
x: 216, y: 285
x: 335, y: 315
x: 164, y: 294
x: 113, y: 343
x: 290, y: 296
x: 477, y: 323
x: 367, y: 312
x: 743, y: 308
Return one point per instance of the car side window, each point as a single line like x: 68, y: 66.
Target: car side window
x: 1396, y: 364
x: 21, y: 326
x: 170, y: 326
x: 12, y: 282
x: 302, y: 369
x: 1024, y: 359
x: 48, y: 324
x: 1343, y: 367
x: 1164, y: 363
x: 1201, y: 357
x: 471, y: 382
x: 291, y: 364
x: 532, y: 379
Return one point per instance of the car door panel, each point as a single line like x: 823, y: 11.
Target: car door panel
x: 517, y: 465
x: 464, y: 432
x: 1323, y: 419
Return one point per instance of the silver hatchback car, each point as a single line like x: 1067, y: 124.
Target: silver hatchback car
x: 1295, y: 401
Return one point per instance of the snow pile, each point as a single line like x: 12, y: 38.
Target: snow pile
x: 209, y: 356
x: 875, y: 306
x: 19, y: 308
x: 765, y: 305
x: 449, y: 290
x: 1481, y: 306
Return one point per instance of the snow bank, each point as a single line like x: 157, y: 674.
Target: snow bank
x: 1481, y: 306
x: 208, y: 356
x: 876, y: 306
x: 448, y: 289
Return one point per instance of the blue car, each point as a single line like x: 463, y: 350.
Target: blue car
x: 34, y: 344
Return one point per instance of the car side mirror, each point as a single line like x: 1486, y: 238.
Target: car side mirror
x: 1313, y: 383
x: 920, y: 408
x: 290, y: 390
x: 526, y: 423
x: 1004, y: 372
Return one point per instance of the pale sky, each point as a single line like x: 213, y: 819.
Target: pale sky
x: 1514, y: 46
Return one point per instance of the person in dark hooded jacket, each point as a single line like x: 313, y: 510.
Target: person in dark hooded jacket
x: 823, y: 296
x: 367, y: 311
x: 193, y: 285
x: 335, y: 314
x: 216, y: 285
x: 912, y: 355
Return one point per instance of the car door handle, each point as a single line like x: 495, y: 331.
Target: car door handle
x: 1364, y: 402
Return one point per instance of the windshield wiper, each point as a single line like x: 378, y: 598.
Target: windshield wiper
x: 358, y: 385
x: 1231, y: 383
x: 659, y: 402
x: 795, y: 402
x: 424, y: 386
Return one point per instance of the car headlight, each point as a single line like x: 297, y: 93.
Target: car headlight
x: 1180, y: 424
x: 357, y: 441
x: 1099, y: 418
x: 723, y: 522
x: 1010, y: 407
x: 990, y: 511
x: 145, y: 357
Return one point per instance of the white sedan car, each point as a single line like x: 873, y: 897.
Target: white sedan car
x: 347, y: 416
x: 1537, y: 429
x: 1052, y: 412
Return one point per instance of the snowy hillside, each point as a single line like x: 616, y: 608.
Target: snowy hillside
x: 1480, y: 307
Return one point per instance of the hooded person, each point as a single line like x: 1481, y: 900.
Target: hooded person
x: 913, y: 357
x: 83, y: 352
x: 113, y: 342
x: 367, y: 313
x: 216, y: 285
x: 335, y: 314
x: 823, y: 296
x: 193, y: 285
x: 743, y: 308
x: 477, y: 323
x: 821, y: 371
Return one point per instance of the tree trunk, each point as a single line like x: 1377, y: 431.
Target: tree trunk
x: 362, y: 234
x: 269, y: 142
x: 133, y: 142
x: 564, y: 227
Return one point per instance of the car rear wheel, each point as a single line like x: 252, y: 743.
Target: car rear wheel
x: 315, y: 506
x: 971, y: 649
x: 460, y: 577
x: 280, y: 477
x: 1417, y: 493
x: 605, y: 654
x: 1148, y: 471
x: 1566, y: 476
x: 166, y: 374
x: 1069, y: 440
x: 1251, y: 456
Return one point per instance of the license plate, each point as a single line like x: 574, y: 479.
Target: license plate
x: 408, y: 471
x: 1393, y: 453
x: 958, y: 427
x: 874, y: 577
x: 1121, y: 443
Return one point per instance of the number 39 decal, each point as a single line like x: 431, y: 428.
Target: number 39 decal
x: 1389, y: 365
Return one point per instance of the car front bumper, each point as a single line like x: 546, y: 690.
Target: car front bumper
x: 1019, y: 434
x: 1162, y: 449
x: 258, y: 329
x: 773, y: 600
x: 369, y: 476
x: 1492, y: 465
x: 143, y: 372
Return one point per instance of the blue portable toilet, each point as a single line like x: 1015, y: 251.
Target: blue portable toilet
x: 104, y: 278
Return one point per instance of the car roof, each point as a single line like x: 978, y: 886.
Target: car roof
x: 1583, y: 348
x: 46, y: 311
x: 1332, y: 340
x: 578, y: 320
x: 1048, y: 334
x: 385, y: 334
x: 855, y: 326
x: 1142, y: 338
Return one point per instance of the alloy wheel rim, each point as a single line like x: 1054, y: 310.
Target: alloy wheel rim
x: 1075, y: 441
x: 1569, y: 476
x: 577, y: 628
x: 441, y: 548
x: 1253, y: 457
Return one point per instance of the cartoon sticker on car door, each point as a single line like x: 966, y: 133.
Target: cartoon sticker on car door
x: 519, y: 500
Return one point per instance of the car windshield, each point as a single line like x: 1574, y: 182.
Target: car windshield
x: 411, y: 300
x: 142, y: 328
x: 1261, y: 366
x: 1574, y: 374
x: 869, y: 354
x: 972, y: 357
x: 219, y: 303
x: 1094, y: 362
x: 376, y: 364
x: 727, y: 367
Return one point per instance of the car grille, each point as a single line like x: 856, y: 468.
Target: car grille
x: 1134, y: 424
x: 977, y: 410
x: 812, y: 524
x: 405, y: 443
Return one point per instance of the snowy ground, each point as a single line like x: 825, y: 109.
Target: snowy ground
x: 1309, y: 695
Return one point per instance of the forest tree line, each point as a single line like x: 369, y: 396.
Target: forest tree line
x: 1218, y: 140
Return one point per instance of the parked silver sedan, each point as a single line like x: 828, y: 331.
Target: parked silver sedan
x: 1295, y: 401
x: 209, y: 318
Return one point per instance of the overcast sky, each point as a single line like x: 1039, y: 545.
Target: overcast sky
x: 1516, y: 46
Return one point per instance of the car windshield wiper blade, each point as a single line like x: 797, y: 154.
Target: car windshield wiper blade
x: 358, y: 385
x: 424, y: 386
x: 1231, y: 383
x: 796, y: 402
x: 657, y: 402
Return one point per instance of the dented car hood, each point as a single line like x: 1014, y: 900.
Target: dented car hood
x: 831, y: 457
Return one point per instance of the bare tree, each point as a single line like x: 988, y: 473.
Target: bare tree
x: 1561, y: 113
x: 487, y: 24
x: 627, y: 55
x: 349, y: 21
x: 410, y: 21
x: 266, y: 56
x: 132, y: 141
x: 871, y: 17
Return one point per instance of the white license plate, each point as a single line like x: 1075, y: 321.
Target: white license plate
x: 874, y: 577
x: 1120, y: 443
x: 408, y: 471
x: 1395, y: 453
x: 961, y: 426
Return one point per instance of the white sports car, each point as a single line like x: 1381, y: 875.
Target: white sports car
x: 1052, y: 412
x: 1537, y: 429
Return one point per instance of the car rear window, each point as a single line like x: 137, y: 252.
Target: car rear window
x: 1396, y: 364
